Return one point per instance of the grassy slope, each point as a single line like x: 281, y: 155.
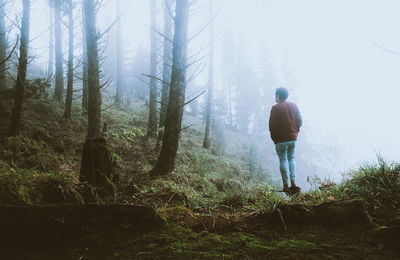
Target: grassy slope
x: 205, y: 200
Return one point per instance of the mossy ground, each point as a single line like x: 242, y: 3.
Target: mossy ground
x: 178, y: 242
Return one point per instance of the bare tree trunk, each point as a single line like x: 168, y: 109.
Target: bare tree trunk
x: 59, y: 88
x: 94, y: 108
x: 22, y: 66
x: 230, y: 104
x: 96, y: 166
x: 3, y: 44
x: 229, y: 61
x: 207, y: 135
x: 167, y: 60
x: 50, y: 62
x: 119, y: 92
x: 84, y: 66
x: 70, y: 82
x: 152, y: 124
x: 173, y: 122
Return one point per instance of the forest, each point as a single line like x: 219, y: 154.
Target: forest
x: 167, y: 129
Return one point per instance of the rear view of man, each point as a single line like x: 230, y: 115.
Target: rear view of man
x: 284, y: 126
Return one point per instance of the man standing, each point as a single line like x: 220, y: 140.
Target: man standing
x: 284, y: 125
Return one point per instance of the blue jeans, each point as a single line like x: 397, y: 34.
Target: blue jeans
x: 285, y: 153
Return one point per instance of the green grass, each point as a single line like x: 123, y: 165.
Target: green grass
x: 43, y: 163
x: 23, y: 186
x: 377, y: 183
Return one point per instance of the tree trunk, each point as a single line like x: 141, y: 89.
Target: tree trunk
x: 119, y: 90
x: 22, y: 66
x: 50, y: 62
x: 207, y: 136
x: 96, y: 166
x: 84, y: 66
x: 230, y: 105
x: 3, y: 44
x: 70, y: 82
x: 59, y: 88
x: 152, y: 124
x: 94, y: 105
x: 229, y: 71
x: 166, y: 161
x: 167, y: 60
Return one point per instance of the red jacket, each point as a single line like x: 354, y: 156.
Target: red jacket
x: 284, y: 122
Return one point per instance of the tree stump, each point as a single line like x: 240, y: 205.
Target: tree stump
x: 97, y: 166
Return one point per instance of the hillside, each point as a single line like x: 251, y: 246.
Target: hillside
x: 212, y: 206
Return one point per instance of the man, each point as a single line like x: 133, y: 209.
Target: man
x: 284, y: 125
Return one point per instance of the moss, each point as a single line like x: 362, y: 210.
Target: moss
x: 294, y: 245
x: 177, y: 241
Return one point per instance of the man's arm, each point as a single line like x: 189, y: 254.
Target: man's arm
x: 298, y: 118
x: 272, y: 123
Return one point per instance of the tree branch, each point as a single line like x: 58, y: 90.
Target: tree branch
x: 385, y: 49
x: 196, y: 97
x: 11, y: 53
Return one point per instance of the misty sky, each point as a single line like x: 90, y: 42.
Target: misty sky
x: 346, y: 87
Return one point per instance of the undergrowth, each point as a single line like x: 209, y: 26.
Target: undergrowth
x: 42, y: 166
x: 378, y: 184
x: 23, y: 186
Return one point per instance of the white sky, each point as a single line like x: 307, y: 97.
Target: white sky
x: 346, y: 88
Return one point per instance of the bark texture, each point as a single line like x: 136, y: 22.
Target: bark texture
x: 96, y: 166
x: 59, y: 87
x: 152, y: 123
x: 50, y: 62
x: 22, y: 66
x: 84, y: 66
x: 70, y: 76
x: 207, y: 135
x: 167, y: 60
x: 3, y: 44
x: 94, y: 104
x: 119, y: 89
x: 166, y: 161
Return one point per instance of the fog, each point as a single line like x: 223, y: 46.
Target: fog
x: 332, y: 56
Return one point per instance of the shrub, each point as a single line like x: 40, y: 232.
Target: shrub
x: 376, y: 183
x: 22, y: 186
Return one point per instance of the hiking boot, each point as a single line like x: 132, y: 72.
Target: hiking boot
x: 286, y: 188
x: 294, y: 189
